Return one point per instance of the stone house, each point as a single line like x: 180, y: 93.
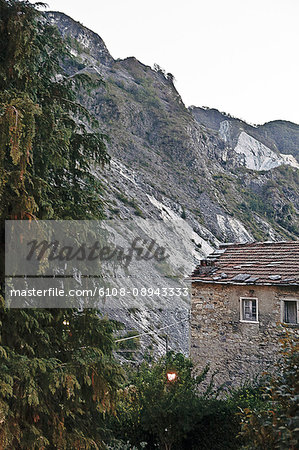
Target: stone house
x: 243, y: 297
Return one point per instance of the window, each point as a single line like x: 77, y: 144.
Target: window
x: 249, y: 309
x: 290, y: 314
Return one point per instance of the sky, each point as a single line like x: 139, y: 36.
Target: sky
x: 239, y: 56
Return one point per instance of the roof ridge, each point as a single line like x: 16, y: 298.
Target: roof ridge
x: 224, y: 245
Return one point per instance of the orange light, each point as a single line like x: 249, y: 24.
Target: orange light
x: 171, y: 376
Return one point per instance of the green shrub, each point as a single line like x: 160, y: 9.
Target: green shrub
x: 181, y: 414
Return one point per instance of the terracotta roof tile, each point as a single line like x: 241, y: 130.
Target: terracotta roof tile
x: 255, y: 263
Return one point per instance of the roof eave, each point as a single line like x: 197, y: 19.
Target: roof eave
x: 240, y: 284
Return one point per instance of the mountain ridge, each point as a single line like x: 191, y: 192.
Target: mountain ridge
x: 152, y: 130
x: 168, y: 166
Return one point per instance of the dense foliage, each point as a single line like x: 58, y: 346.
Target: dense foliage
x: 276, y: 424
x: 47, y: 145
x: 186, y: 413
x: 58, y: 377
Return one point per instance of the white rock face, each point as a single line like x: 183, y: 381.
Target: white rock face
x: 290, y: 160
x: 257, y: 156
x: 228, y: 224
x: 225, y: 130
x: 185, y: 235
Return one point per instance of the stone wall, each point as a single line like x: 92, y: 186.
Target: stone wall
x: 236, y: 350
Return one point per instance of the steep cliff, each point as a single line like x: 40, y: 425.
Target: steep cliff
x: 214, y: 177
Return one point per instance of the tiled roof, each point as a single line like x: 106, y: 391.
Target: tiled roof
x: 256, y: 263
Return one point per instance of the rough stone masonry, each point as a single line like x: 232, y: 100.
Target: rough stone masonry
x: 241, y: 307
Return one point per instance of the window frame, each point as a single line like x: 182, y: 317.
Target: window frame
x: 282, y: 311
x: 241, y: 310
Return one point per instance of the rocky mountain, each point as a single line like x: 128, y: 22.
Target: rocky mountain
x: 263, y: 147
x: 210, y: 176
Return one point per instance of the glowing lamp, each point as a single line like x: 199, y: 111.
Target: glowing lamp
x: 171, y: 376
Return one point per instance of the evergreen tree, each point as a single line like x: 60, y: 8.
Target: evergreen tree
x: 47, y: 148
x: 57, y: 373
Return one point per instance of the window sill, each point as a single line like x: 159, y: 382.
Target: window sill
x: 249, y: 321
